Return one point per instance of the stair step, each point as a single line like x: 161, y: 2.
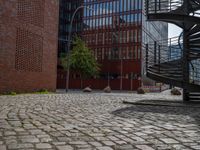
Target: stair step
x: 195, y: 29
x: 166, y: 72
x: 167, y: 69
x: 168, y: 75
x: 169, y: 65
x: 195, y: 36
x: 195, y: 94
x: 195, y: 4
x: 194, y: 99
x: 193, y: 46
x: 195, y: 41
x: 195, y: 50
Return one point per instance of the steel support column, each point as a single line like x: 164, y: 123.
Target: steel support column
x: 186, y: 67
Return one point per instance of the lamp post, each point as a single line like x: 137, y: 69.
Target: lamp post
x: 69, y: 43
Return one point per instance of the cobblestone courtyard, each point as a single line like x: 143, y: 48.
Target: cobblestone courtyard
x: 95, y: 122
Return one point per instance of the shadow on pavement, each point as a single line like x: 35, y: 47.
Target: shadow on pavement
x: 165, y: 111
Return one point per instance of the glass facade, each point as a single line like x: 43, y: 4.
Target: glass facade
x: 67, y: 7
x: 113, y: 28
x: 116, y: 32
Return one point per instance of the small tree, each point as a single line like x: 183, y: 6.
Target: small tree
x: 81, y: 60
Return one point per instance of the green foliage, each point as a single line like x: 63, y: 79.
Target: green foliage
x: 11, y: 93
x: 42, y: 91
x: 81, y: 59
x: 64, y: 61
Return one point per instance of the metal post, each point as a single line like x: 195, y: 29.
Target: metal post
x: 159, y: 5
x: 170, y: 5
x: 155, y: 52
x: 147, y: 55
x: 131, y: 81
x: 69, y: 44
x: 169, y: 55
x: 186, y: 67
x: 121, y: 79
x: 155, y: 6
x: 159, y: 57
x: 147, y: 7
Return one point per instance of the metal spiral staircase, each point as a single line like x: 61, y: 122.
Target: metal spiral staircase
x: 176, y: 61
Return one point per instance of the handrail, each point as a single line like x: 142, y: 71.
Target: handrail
x: 168, y: 6
x: 168, y: 53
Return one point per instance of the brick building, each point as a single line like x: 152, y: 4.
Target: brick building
x: 28, y: 45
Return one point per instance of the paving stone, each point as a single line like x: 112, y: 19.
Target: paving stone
x: 120, y: 142
x: 97, y: 121
x: 104, y: 148
x: 78, y: 143
x: 96, y: 144
x: 30, y: 140
x: 45, y: 140
x: 65, y: 147
x: 124, y: 147
x: 20, y: 146
x: 196, y: 147
x: 11, y: 141
x: 59, y: 143
x: 144, y: 147
x: 3, y: 147
x: 169, y: 141
x: 7, y: 133
x: 43, y: 146
x: 108, y: 143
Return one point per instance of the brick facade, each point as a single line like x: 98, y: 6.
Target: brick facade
x: 28, y: 45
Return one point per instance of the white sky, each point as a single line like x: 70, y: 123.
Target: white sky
x: 174, y: 30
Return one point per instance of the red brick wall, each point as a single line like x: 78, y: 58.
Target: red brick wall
x: 28, y: 45
x: 127, y: 84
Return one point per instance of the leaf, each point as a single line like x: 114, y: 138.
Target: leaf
x: 81, y: 59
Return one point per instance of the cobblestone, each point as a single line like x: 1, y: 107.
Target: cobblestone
x: 66, y: 147
x: 96, y: 121
x: 43, y: 146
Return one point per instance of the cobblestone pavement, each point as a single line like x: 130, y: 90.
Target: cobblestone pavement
x: 94, y: 122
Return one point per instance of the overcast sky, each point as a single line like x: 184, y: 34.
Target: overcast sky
x: 174, y: 30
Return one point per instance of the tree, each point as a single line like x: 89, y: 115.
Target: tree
x: 81, y: 60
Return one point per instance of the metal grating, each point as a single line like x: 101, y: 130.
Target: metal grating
x: 31, y: 11
x: 29, y: 51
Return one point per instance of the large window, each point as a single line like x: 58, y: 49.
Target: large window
x: 117, y: 24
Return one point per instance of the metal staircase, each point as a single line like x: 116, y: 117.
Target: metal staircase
x: 177, y: 61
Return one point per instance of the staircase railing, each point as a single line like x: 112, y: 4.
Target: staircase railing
x: 161, y: 52
x: 159, y: 6
x: 171, y: 6
x: 195, y: 72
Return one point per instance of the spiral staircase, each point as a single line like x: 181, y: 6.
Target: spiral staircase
x: 176, y: 61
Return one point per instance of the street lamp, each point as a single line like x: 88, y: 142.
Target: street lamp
x: 69, y: 43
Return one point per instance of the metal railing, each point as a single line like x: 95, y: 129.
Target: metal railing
x: 166, y: 6
x: 162, y: 6
x: 195, y: 72
x: 170, y: 51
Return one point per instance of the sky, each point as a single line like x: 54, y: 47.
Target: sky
x: 174, y: 30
